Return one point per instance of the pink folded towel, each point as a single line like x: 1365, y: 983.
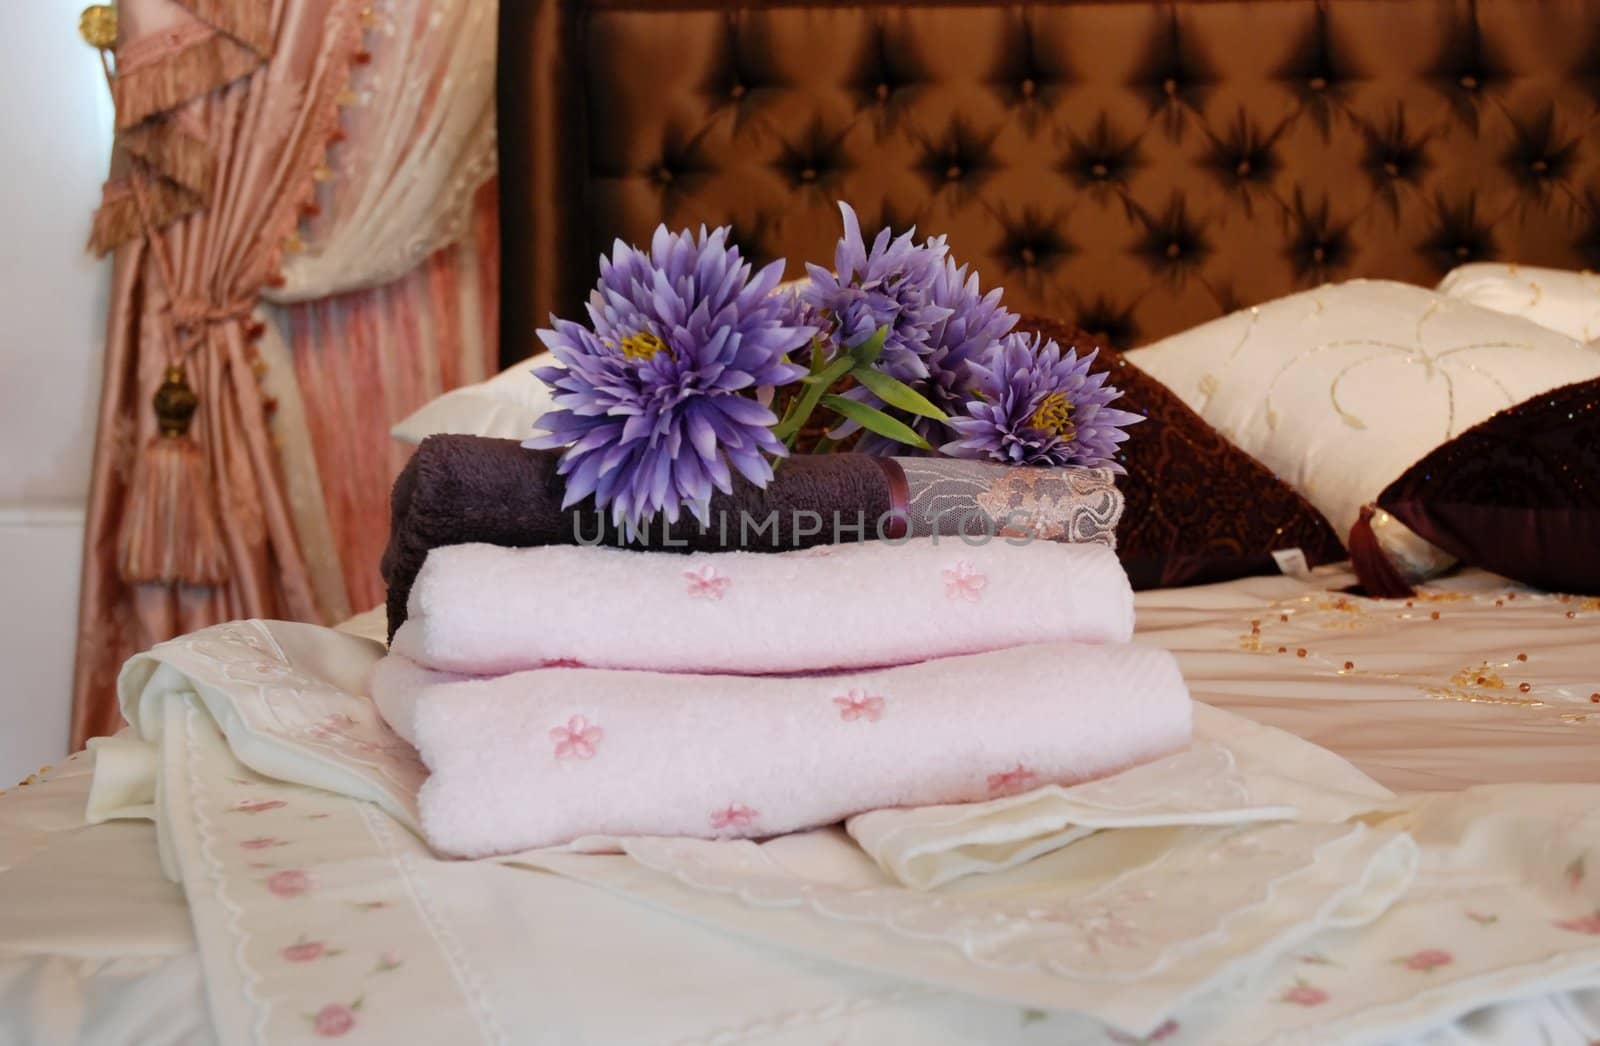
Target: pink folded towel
x: 484, y: 609
x: 543, y: 757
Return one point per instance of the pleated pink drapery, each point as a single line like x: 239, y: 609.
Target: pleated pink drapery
x: 366, y: 359
x: 262, y: 135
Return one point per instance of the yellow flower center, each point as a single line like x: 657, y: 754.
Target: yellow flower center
x: 1055, y: 415
x: 643, y: 346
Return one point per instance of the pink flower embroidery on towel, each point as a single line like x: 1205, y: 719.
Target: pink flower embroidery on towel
x: 706, y: 583
x: 288, y: 883
x: 1014, y: 780
x: 858, y: 704
x: 964, y: 581
x: 735, y: 815
x: 577, y: 740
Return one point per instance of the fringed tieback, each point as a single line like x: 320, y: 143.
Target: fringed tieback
x: 169, y: 533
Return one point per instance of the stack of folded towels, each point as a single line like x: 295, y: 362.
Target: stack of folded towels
x: 558, y: 692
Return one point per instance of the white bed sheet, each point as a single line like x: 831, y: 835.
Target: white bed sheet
x: 96, y: 946
x: 1473, y: 682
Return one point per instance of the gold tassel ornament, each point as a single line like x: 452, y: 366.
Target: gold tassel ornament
x: 169, y: 533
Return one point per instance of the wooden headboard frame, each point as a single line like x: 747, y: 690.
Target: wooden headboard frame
x: 1135, y: 167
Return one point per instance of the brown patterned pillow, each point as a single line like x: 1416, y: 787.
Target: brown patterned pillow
x: 1198, y: 509
x: 1518, y: 494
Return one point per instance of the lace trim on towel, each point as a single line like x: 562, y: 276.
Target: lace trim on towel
x: 215, y: 871
x: 283, y: 702
x: 450, y: 949
x: 1123, y: 930
x: 951, y: 496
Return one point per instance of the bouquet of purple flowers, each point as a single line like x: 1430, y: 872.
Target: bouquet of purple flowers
x: 671, y: 386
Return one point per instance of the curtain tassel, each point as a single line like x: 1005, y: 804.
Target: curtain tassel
x: 169, y: 533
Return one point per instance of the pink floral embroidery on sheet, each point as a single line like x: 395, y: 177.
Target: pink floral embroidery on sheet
x: 1014, y: 780
x: 735, y: 815
x: 1166, y: 1031
x: 577, y: 740
x: 259, y: 806
x: 335, y: 722
x: 1303, y: 994
x: 265, y: 842
x: 1574, y: 874
x: 289, y: 883
x: 388, y: 961
x: 858, y: 704
x: 706, y: 583
x: 964, y: 581
x: 1589, y: 924
x: 1427, y: 960
x: 308, y: 951
x: 334, y: 1020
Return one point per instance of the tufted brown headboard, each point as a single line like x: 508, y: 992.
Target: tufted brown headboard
x: 1136, y: 167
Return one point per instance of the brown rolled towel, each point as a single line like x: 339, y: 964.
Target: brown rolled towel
x: 461, y: 489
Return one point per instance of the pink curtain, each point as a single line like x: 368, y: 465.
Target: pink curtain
x: 366, y: 359
x: 250, y: 147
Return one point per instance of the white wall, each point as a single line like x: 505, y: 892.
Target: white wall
x: 55, y: 133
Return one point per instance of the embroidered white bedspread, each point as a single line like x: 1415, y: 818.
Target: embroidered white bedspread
x: 319, y: 914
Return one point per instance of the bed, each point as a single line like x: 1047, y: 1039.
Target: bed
x: 100, y: 947
x: 1125, y: 165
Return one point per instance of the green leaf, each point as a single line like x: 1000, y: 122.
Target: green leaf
x: 897, y: 393
x: 816, y: 384
x: 867, y: 352
x: 819, y: 357
x: 874, y: 420
x: 831, y: 373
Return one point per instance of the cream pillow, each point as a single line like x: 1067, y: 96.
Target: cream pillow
x: 1340, y: 389
x: 506, y: 406
x: 1564, y: 301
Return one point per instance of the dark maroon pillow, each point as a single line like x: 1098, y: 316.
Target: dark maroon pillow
x: 1518, y: 494
x: 1197, y: 508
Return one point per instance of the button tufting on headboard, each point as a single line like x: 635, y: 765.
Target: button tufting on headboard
x: 1134, y: 167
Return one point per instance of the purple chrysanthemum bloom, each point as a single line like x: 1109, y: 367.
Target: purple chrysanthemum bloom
x: 656, y: 402
x: 890, y: 285
x: 975, y: 324
x: 1038, y: 405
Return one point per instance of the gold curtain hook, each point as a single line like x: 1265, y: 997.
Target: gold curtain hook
x: 98, y: 26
